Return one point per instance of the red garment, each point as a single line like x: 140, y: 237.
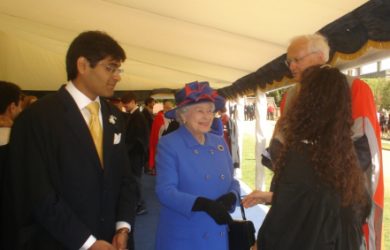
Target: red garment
x: 363, y: 107
x: 158, y: 122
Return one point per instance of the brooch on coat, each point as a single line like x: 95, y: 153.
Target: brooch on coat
x: 112, y: 119
x: 220, y: 147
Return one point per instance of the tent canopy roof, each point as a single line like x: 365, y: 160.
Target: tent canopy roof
x: 168, y: 43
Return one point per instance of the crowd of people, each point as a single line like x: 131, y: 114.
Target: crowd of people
x: 249, y: 112
x: 73, y: 161
x: 384, y: 123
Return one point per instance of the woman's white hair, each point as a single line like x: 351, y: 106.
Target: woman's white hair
x: 181, y: 111
x: 315, y: 42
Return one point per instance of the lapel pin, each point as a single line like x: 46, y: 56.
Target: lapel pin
x: 112, y: 119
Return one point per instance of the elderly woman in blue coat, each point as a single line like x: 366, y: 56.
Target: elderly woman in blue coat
x: 195, y: 183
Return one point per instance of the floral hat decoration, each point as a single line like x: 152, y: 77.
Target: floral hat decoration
x: 196, y: 92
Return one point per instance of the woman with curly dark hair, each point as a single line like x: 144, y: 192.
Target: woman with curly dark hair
x: 319, y: 200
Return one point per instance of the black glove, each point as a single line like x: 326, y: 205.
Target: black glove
x: 216, y: 210
x: 227, y: 200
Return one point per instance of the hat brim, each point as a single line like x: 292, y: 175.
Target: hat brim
x: 219, y: 103
x: 171, y: 114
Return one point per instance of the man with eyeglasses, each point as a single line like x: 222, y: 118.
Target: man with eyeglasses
x: 303, y: 52
x: 309, y: 50
x: 68, y: 184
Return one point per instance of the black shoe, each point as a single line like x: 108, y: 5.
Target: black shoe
x: 141, y: 210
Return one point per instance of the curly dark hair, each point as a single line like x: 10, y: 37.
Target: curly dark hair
x: 321, y: 115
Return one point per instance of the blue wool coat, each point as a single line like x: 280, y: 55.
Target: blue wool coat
x: 185, y: 171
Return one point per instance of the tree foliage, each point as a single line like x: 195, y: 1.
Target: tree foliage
x: 386, y: 96
x: 277, y: 95
x: 381, y: 90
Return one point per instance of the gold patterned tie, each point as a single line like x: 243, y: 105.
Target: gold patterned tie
x: 96, y: 128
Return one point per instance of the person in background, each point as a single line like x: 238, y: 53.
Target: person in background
x: 160, y: 124
x: 308, y: 50
x: 388, y: 124
x: 68, y: 184
x: 385, y: 132
x: 226, y: 128
x: 195, y: 183
x: 147, y: 111
x: 319, y: 199
x: 117, y: 102
x: 231, y: 135
x: 10, y: 108
x: 270, y: 111
x: 137, y: 142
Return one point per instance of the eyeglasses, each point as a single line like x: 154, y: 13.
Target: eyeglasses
x: 113, y: 69
x: 289, y: 61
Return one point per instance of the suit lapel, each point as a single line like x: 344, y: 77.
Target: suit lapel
x: 76, y: 123
x: 108, y: 132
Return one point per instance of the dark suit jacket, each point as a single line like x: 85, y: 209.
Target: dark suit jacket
x: 149, y: 118
x: 56, y: 191
x: 137, y: 134
x: 3, y: 160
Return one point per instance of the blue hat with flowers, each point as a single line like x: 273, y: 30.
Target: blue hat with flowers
x: 196, y: 92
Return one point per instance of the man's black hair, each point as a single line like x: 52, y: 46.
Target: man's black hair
x: 148, y: 100
x: 128, y: 97
x: 9, y: 93
x: 94, y: 46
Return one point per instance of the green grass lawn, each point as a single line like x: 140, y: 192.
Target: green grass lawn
x: 248, y: 176
x: 248, y: 164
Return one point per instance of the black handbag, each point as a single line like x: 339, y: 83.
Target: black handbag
x: 241, y: 233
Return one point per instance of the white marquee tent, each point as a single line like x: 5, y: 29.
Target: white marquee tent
x: 168, y: 43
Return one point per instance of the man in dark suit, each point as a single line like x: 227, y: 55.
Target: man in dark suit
x: 147, y: 111
x: 63, y: 189
x: 137, y: 142
x: 10, y: 107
